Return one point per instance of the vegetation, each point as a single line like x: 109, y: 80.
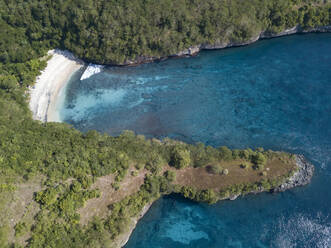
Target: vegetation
x: 205, y: 195
x: 259, y: 160
x: 114, y: 32
x: 180, y: 157
x: 51, y: 168
x: 170, y: 175
x: 244, y: 165
x: 216, y: 169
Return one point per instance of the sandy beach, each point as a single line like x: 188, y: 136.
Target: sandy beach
x: 43, y: 95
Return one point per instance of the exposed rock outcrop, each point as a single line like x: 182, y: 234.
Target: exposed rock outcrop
x: 301, y: 177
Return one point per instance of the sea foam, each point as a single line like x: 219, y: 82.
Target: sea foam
x: 91, y: 70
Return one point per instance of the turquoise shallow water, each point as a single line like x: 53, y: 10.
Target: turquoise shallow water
x: 275, y: 93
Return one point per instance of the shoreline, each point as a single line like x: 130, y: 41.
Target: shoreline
x: 43, y: 95
x: 123, y: 238
x: 44, y: 98
x: 195, y: 49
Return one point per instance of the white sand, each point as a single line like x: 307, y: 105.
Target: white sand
x: 43, y: 95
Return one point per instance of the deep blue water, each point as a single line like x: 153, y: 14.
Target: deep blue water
x: 274, y: 93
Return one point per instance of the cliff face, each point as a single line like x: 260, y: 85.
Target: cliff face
x: 193, y: 50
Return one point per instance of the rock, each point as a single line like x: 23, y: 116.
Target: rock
x: 301, y: 177
x: 233, y: 197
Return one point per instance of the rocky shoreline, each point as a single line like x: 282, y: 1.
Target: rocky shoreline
x: 123, y: 238
x: 194, y: 50
x: 300, y: 178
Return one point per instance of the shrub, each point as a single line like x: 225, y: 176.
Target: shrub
x: 180, y: 158
x: 246, y: 154
x: 76, y: 187
x: 259, y: 160
x: 170, y: 175
x: 46, y: 197
x: 139, y: 166
x: 259, y: 167
x: 207, y: 195
x: 20, y: 228
x: 154, y: 168
x: 225, y: 153
x: 265, y: 184
x: 8, y: 82
x: 116, y: 186
x: 188, y: 192
x: 244, y: 165
x: 236, y: 154
x: 215, y: 169
x: 86, y: 181
x: 199, y: 155
x: 260, y: 149
x: 134, y: 173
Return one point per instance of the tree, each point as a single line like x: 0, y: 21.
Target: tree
x: 180, y: 158
x: 8, y: 82
x: 259, y: 160
x: 207, y: 195
x: 170, y: 175
x: 244, y: 165
x: 215, y: 169
x: 225, y: 153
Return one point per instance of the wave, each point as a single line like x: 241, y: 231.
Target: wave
x: 91, y: 70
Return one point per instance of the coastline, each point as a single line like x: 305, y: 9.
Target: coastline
x: 299, y: 178
x: 44, y: 94
x: 123, y: 238
x: 63, y: 64
x: 194, y: 50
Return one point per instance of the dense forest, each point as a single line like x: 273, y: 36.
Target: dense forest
x: 114, y: 31
x: 65, y: 162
